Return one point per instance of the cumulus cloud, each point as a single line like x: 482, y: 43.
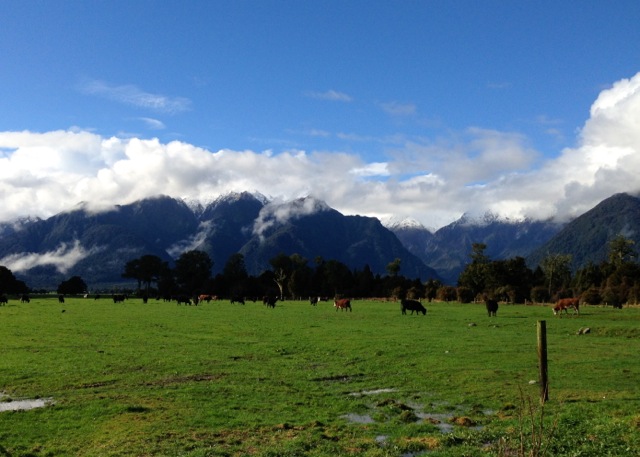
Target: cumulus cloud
x: 130, y: 94
x: 432, y: 180
x: 63, y: 258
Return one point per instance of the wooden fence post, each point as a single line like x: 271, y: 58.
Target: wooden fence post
x: 542, y: 361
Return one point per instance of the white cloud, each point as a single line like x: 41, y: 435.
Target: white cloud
x: 153, y: 124
x: 63, y: 258
x: 278, y: 213
x: 331, y: 95
x: 129, y: 94
x: 399, y: 109
x: 433, y: 181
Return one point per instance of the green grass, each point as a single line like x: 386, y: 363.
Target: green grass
x: 227, y: 380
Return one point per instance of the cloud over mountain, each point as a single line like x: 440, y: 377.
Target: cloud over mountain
x: 433, y: 181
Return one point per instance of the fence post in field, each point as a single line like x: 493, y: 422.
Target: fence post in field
x: 542, y: 361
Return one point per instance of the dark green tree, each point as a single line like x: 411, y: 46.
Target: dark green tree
x: 234, y: 278
x: 235, y: 269
x: 474, y: 275
x: 73, y: 286
x: 621, y: 251
x: 9, y: 284
x: 431, y: 288
x: 393, y: 268
x: 338, y: 277
x: 192, y: 271
x: 146, y: 270
x: 557, y: 271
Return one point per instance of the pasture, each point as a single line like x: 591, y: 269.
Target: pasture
x: 134, y: 379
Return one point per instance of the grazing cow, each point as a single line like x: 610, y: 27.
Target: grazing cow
x: 492, y: 307
x: 60, y: 298
x: 3, y: 300
x: 119, y: 298
x: 314, y: 300
x: 96, y: 297
x: 565, y: 304
x: 412, y: 305
x: 270, y: 302
x: 204, y: 297
x: 25, y: 299
x: 237, y: 300
x: 343, y: 303
x: 183, y: 299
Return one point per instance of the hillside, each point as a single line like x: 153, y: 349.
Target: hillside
x: 587, y: 237
x: 447, y: 250
x: 96, y: 246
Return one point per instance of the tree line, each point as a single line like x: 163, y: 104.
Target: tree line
x: 614, y: 281
x: 290, y: 276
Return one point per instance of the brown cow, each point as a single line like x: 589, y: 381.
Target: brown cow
x: 565, y: 304
x: 343, y: 303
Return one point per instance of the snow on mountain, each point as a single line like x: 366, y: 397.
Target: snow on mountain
x: 484, y: 220
x: 406, y: 223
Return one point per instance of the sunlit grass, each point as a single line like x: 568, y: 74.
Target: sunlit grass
x: 221, y: 379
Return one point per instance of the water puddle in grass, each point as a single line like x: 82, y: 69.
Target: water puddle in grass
x: 439, y: 420
x: 8, y: 404
x: 359, y: 418
x: 371, y: 392
x: 444, y: 422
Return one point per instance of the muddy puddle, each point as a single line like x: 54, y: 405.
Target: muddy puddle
x: 364, y: 393
x: 444, y: 422
x: 23, y: 404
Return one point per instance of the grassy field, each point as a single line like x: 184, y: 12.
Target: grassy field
x: 140, y: 379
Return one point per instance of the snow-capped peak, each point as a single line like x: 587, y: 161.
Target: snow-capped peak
x: 483, y: 220
x: 396, y: 223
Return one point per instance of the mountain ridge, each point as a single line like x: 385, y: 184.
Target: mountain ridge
x: 96, y: 245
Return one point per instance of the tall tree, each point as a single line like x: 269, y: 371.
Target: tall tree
x: 234, y: 275
x: 235, y: 269
x: 192, y: 271
x: 9, y: 284
x: 72, y: 286
x: 557, y: 271
x: 146, y: 270
x: 474, y: 275
x: 393, y: 268
x: 621, y: 251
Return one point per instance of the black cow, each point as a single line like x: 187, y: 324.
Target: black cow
x: 270, y: 302
x: 119, y: 298
x: 412, y: 305
x: 237, y: 300
x: 492, y: 307
x: 60, y: 298
x: 25, y: 299
x: 3, y: 300
x: 314, y: 300
x: 183, y: 299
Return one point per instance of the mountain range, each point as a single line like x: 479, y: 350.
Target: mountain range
x: 96, y: 245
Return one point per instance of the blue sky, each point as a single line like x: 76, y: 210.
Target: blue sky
x: 423, y: 109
